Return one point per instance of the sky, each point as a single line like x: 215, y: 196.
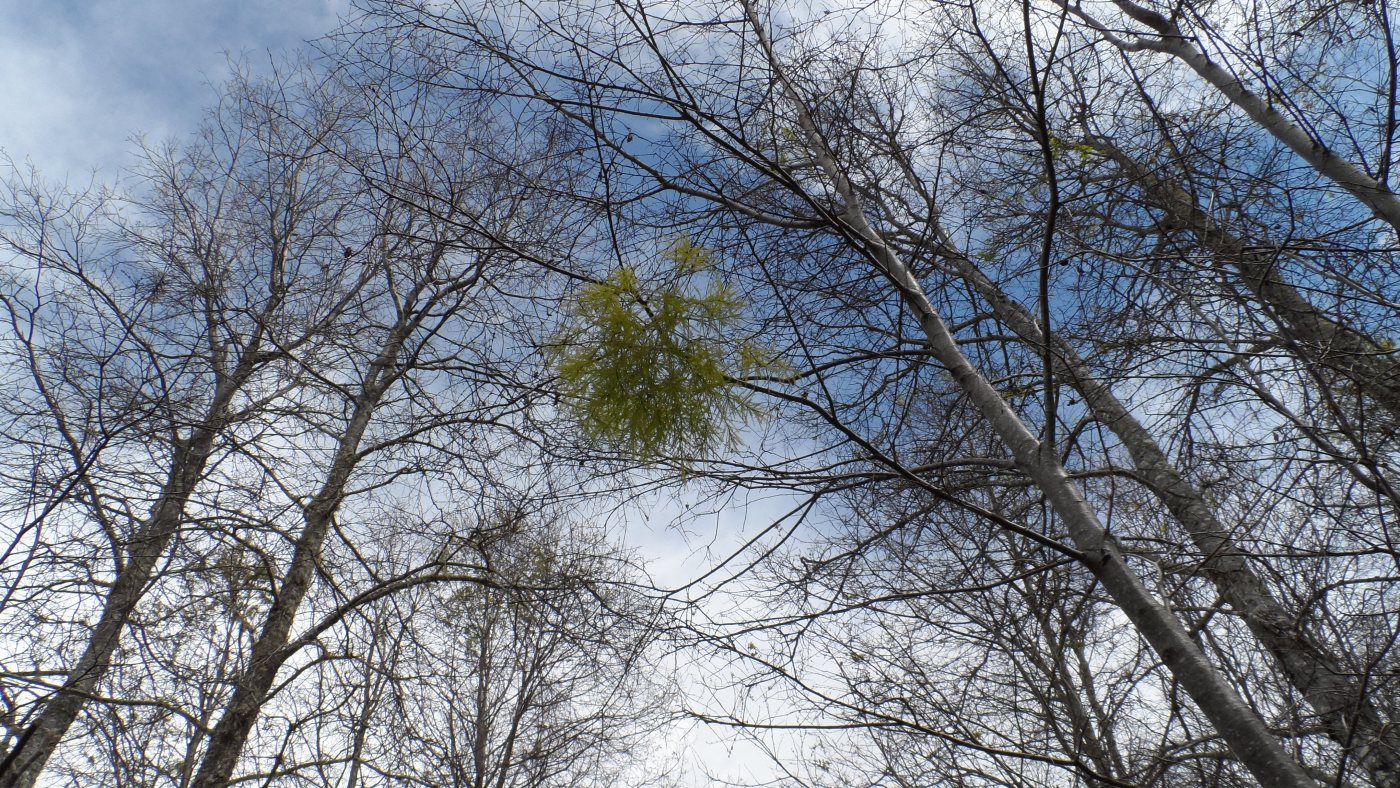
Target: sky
x: 79, y: 80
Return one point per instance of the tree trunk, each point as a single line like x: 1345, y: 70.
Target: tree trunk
x: 26, y: 760
x: 1317, y: 338
x: 1237, y: 724
x: 270, y: 650
x: 1170, y: 40
x: 1330, y: 688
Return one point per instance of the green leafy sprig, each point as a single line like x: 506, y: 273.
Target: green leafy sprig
x: 649, y: 367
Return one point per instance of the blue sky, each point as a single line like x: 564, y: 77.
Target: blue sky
x: 80, y: 79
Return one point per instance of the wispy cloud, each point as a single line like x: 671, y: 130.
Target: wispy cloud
x: 80, y: 79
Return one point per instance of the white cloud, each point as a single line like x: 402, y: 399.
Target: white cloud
x: 79, y: 79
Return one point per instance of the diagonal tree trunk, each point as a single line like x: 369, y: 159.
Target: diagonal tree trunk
x: 1169, y: 39
x: 229, y: 269
x: 270, y: 650
x: 427, y: 300
x: 1335, y: 692
x: 22, y: 766
x: 1238, y: 725
x: 1318, y: 338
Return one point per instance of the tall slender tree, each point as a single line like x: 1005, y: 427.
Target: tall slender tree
x: 152, y: 333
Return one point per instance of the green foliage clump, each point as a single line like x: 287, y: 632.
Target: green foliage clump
x: 649, y: 367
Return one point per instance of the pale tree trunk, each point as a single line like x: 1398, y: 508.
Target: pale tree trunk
x: 270, y: 650
x: 26, y: 760
x: 481, y: 731
x: 242, y: 334
x: 1237, y: 724
x: 273, y: 646
x: 1235, y: 721
x: 1316, y: 337
x: 1170, y: 40
x: 1333, y: 691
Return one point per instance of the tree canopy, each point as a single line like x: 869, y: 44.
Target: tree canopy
x: 1060, y: 336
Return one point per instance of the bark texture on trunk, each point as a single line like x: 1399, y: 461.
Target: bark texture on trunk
x: 25, y: 761
x: 1238, y: 725
x: 1234, y: 720
x: 269, y: 653
x: 270, y: 650
x: 1170, y: 40
x: 1334, y: 692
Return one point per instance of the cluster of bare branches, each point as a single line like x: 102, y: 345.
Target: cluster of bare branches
x: 1086, y: 313
x: 277, y: 502
x: 1080, y: 369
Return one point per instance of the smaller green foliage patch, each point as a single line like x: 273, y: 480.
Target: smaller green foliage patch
x: 649, y: 367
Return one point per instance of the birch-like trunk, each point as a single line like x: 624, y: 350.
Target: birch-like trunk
x: 1238, y: 725
x: 1315, y: 670
x: 270, y: 650
x: 1170, y: 40
x: 1315, y: 337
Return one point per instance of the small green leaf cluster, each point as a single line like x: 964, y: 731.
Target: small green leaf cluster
x: 1061, y: 147
x: 649, y: 366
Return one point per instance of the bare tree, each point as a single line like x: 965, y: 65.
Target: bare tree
x: 1071, y: 327
x: 430, y: 387
x: 353, y: 274
x: 149, y: 338
x: 532, y: 681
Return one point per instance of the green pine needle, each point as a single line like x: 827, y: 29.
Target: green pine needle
x: 649, y: 368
